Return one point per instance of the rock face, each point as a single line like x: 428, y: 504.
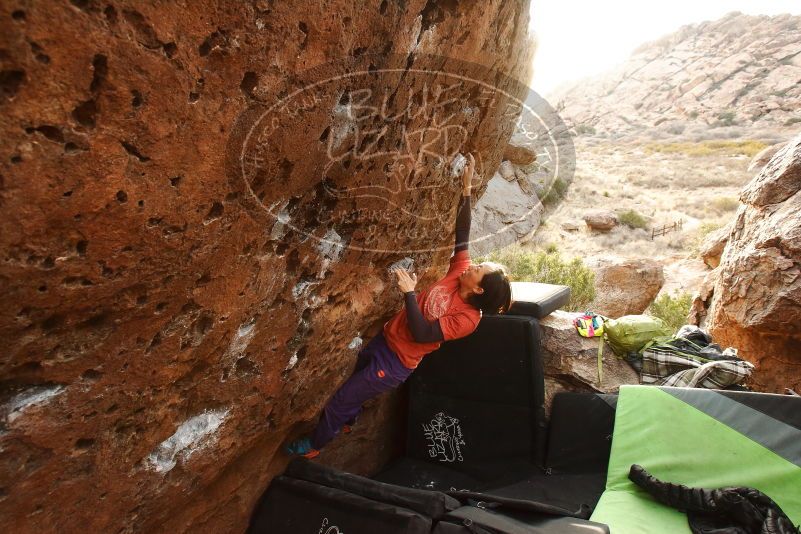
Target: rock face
x: 763, y: 157
x: 512, y: 207
x: 538, y: 166
x: 188, y: 261
x: 625, y: 287
x: 520, y: 151
x: 713, y: 246
x: 571, y: 361
x: 505, y: 214
x: 738, y: 71
x: 752, y: 301
x: 601, y: 221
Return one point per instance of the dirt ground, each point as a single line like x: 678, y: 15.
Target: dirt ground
x: 663, y: 183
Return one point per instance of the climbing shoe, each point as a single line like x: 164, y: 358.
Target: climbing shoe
x: 302, y: 447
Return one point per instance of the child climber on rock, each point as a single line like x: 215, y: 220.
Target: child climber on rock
x: 450, y: 309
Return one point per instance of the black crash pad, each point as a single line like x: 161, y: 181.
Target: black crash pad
x: 580, y: 432
x: 473, y: 519
x: 291, y: 505
x: 477, y: 409
x: 536, y: 299
x: 428, y: 503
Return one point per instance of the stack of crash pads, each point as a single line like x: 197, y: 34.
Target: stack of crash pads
x: 477, y: 424
x: 312, y: 498
x: 700, y: 438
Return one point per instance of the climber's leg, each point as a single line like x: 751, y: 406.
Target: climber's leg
x: 364, y: 356
x: 383, y: 372
x: 362, y: 360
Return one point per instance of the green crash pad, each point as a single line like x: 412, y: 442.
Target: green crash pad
x: 699, y: 438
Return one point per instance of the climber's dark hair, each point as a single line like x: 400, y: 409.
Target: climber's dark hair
x: 497, y: 295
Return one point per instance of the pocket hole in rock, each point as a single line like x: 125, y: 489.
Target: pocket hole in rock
x: 84, y: 443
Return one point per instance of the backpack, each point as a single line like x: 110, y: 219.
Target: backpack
x: 632, y: 333
x: 625, y: 335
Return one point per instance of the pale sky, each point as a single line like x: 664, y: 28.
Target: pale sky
x: 579, y: 38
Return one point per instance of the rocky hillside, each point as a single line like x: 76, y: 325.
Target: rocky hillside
x: 708, y: 80
x: 183, y: 280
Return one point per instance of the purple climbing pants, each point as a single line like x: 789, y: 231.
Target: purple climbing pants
x: 378, y: 369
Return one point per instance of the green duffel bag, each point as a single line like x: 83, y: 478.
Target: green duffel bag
x: 631, y: 333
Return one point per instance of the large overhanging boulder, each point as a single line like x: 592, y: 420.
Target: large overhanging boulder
x: 752, y: 301
x: 195, y: 235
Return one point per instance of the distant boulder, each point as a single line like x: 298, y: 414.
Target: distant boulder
x: 625, y: 287
x: 601, y: 221
x: 571, y: 226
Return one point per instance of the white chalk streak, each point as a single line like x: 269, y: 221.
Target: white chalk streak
x: 193, y: 434
x: 30, y: 397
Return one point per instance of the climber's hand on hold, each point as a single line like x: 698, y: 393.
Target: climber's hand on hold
x: 406, y: 282
x: 467, y: 175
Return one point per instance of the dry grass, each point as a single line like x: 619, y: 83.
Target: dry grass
x: 660, y: 187
x: 725, y: 204
x: 750, y: 148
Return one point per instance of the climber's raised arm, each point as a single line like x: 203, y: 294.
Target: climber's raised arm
x: 463, y: 213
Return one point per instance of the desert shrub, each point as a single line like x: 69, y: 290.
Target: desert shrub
x: 792, y: 121
x: 548, y: 267
x: 693, y: 114
x: 632, y: 219
x: 708, y: 227
x: 585, y: 129
x: 555, y: 192
x: 700, y: 234
x: 672, y: 309
x: 725, y: 204
x: 676, y: 129
x: 560, y: 186
x: 725, y: 118
x: 551, y: 197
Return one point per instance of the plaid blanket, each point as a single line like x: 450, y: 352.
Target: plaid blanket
x: 673, y: 363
